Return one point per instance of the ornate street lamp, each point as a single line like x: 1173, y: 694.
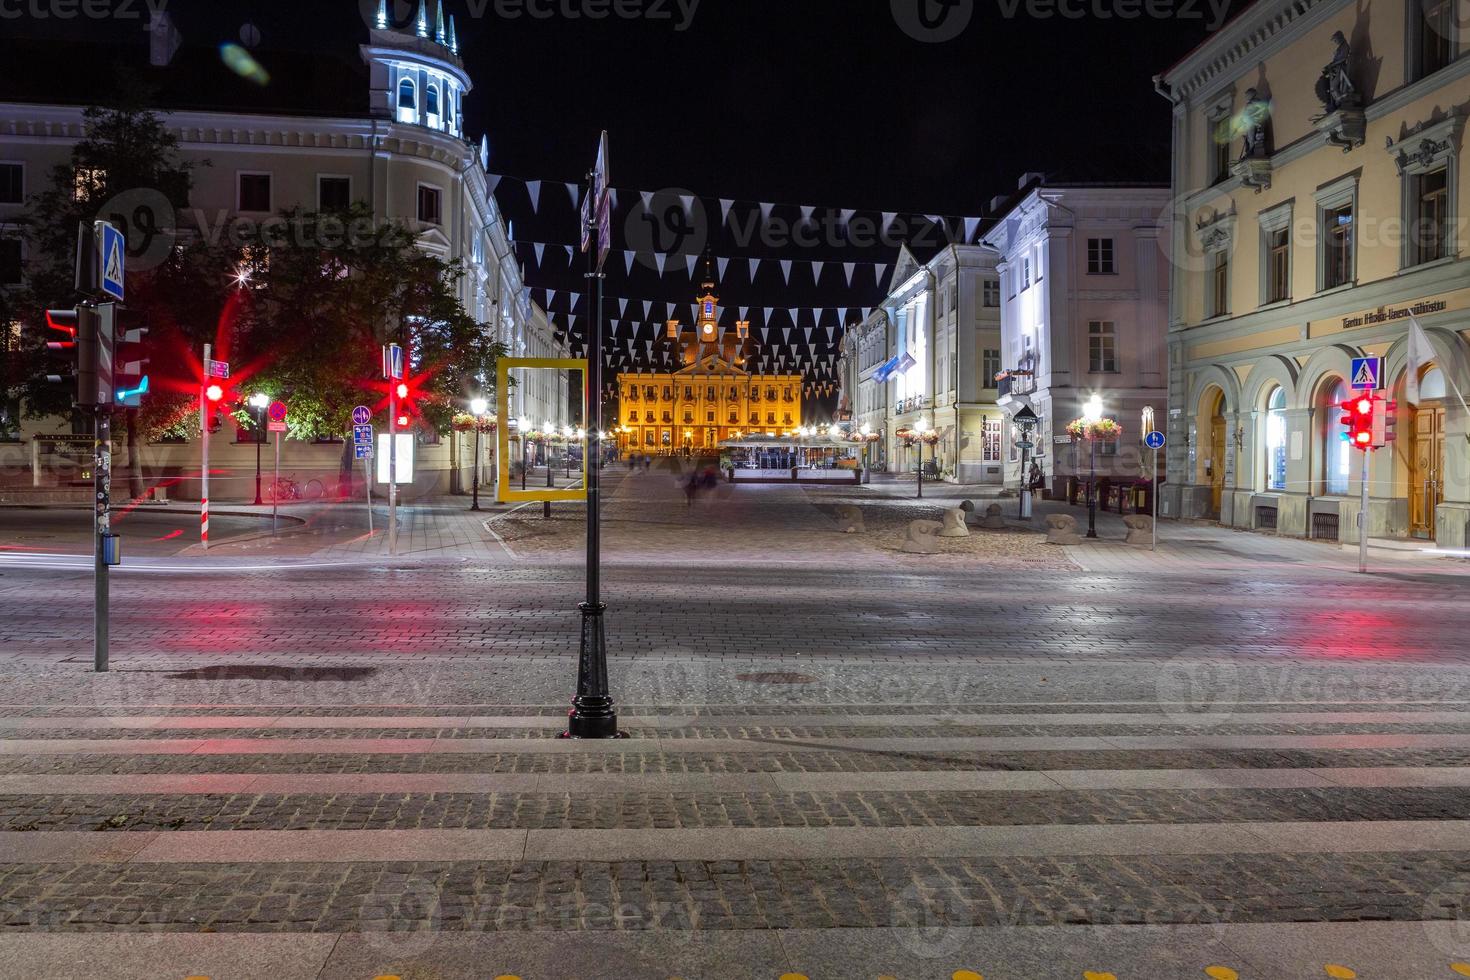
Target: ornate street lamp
x: 478, y: 407
x: 1093, y: 427
x: 259, y: 402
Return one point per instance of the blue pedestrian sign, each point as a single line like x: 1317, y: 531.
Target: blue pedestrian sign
x: 1367, y: 373
x: 1154, y: 440
x: 393, y: 362
x: 361, y: 415
x: 111, y: 260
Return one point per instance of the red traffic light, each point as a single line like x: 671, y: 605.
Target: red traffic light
x: 214, y: 393
x: 402, y: 390
x: 1363, y: 406
x: 403, y: 421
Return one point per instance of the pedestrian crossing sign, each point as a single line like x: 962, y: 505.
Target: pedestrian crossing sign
x: 1367, y: 373
x: 110, y: 244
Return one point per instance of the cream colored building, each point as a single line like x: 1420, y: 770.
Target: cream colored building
x: 1291, y: 260
x: 931, y: 351
x: 405, y: 153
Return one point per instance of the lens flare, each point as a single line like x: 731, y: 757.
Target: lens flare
x: 243, y: 63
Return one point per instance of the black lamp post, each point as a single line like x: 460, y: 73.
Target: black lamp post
x: 258, y: 403
x: 477, y: 409
x: 1091, y: 415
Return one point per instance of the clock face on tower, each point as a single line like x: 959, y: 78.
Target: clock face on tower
x: 708, y: 331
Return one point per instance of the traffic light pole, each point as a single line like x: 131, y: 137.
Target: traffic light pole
x: 204, y: 455
x: 392, y: 465
x: 102, y: 483
x: 1363, y: 516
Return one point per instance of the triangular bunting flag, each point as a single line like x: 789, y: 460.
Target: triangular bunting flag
x: 786, y: 270
x: 720, y: 265
x: 533, y: 187
x: 658, y: 260
x: 691, y: 261
x: 847, y: 268
x: 888, y: 217
x: 817, y: 272
x: 622, y: 306
x: 724, y: 211
x: 575, y: 193
x: 971, y: 226
x: 628, y: 261
x: 879, y: 270
x: 540, y: 250
x: 766, y: 213
x: 754, y: 265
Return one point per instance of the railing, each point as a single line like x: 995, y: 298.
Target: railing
x: 1016, y: 384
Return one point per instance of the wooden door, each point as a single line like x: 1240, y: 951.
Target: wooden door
x: 1217, y: 457
x: 1426, y: 479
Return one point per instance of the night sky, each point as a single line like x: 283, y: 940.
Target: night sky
x: 826, y: 103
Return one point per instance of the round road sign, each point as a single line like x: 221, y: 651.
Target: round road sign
x: 1154, y: 440
x: 277, y: 411
x: 361, y: 415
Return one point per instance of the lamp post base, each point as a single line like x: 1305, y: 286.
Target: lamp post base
x: 593, y: 714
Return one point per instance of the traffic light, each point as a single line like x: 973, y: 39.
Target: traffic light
x: 1359, y: 420
x: 130, y: 382
x: 213, y: 413
x: 87, y: 348
x: 1386, y: 430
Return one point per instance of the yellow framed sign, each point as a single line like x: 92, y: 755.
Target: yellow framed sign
x: 505, y: 490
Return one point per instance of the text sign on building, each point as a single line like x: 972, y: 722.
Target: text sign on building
x: 1367, y: 373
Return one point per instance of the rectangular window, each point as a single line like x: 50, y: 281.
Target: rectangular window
x: 12, y: 183
x: 10, y: 264
x: 1025, y: 274
x: 989, y: 367
x: 1219, y: 284
x: 992, y: 293
x: 1431, y: 217
x: 429, y: 204
x: 88, y: 182
x: 1100, y: 257
x: 1278, y: 266
x: 333, y: 193
x: 255, y: 192
x: 1102, y: 347
x: 709, y: 415
x: 1436, y: 30
x: 1337, y: 246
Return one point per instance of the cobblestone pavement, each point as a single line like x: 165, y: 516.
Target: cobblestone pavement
x: 842, y: 762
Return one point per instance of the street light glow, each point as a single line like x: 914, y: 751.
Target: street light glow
x: 478, y: 406
x: 1092, y: 411
x: 259, y: 400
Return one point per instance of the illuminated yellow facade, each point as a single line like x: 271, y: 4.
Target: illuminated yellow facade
x: 711, y: 398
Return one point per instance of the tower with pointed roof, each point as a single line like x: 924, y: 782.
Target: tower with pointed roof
x: 418, y: 78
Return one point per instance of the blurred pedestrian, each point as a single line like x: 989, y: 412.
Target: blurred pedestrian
x: 691, y: 488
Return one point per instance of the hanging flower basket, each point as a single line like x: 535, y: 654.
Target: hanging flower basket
x: 465, y: 422
x: 1103, y: 430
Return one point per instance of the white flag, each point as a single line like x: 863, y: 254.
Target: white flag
x: 1420, y: 354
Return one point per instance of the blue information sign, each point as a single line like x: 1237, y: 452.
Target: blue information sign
x: 111, y: 268
x: 1154, y: 440
x: 1367, y: 373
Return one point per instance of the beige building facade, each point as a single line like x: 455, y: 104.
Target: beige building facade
x: 1318, y: 177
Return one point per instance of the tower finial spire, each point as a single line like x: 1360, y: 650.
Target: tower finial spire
x: 709, y: 272
x: 439, y: 33
x: 453, y: 37
x: 382, y: 21
x: 423, y: 18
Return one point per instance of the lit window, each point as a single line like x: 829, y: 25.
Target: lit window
x: 408, y: 102
x: 1275, y: 442
x: 1337, y: 453
x: 88, y: 182
x: 432, y: 95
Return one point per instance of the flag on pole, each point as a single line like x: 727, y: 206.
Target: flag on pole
x: 1420, y: 354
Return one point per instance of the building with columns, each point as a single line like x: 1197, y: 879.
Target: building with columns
x: 1316, y: 167
x: 930, y: 351
x: 711, y: 397
x: 1084, y: 285
x: 387, y: 130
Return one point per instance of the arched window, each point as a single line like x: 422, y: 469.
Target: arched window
x: 433, y: 105
x: 1275, y: 442
x: 1337, y: 454
x: 408, y: 103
